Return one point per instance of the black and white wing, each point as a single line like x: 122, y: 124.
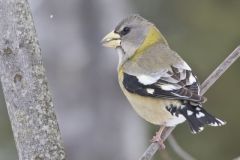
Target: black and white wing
x: 177, y: 83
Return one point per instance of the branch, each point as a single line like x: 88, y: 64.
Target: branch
x: 29, y: 103
x: 217, y: 73
x: 152, y: 149
x: 212, y: 78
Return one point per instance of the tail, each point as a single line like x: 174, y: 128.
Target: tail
x: 197, y: 117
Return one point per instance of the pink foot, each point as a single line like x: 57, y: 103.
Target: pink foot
x: 157, y: 139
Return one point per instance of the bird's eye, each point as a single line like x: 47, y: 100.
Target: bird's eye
x: 125, y: 31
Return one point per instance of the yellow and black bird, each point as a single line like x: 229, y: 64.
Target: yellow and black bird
x: 158, y: 83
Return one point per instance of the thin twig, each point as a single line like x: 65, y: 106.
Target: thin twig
x: 152, y: 149
x: 212, y: 78
x: 217, y: 73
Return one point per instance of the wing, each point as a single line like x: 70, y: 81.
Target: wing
x: 175, y: 84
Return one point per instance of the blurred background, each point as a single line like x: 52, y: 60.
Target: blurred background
x: 95, y: 119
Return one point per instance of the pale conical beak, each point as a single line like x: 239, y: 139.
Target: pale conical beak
x: 111, y: 40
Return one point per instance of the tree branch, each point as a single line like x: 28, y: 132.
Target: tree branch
x: 29, y: 103
x: 217, y: 73
x: 152, y: 149
x: 212, y: 78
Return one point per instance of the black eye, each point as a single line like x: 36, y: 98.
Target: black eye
x: 125, y: 31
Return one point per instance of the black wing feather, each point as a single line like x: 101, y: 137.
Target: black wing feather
x: 186, y: 92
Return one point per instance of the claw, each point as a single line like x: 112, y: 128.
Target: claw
x: 157, y: 139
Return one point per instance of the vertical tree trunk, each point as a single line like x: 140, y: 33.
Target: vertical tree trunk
x: 25, y: 88
x: 91, y: 109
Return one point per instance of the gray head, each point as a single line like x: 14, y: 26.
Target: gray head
x: 128, y: 36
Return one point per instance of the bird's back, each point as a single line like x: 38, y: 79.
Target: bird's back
x: 156, y: 59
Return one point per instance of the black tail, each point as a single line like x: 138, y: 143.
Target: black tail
x: 197, y: 117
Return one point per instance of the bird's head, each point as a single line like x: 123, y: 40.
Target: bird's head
x: 131, y: 36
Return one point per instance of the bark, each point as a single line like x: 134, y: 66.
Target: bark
x: 92, y: 111
x: 25, y: 87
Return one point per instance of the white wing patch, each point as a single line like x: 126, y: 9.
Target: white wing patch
x: 189, y: 113
x: 198, y: 109
x: 146, y: 80
x: 200, y: 114
x: 191, y: 80
x: 169, y: 87
x: 153, y: 77
x: 150, y: 90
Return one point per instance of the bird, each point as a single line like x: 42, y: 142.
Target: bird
x: 158, y: 83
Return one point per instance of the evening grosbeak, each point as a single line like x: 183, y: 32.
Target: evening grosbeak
x: 158, y: 83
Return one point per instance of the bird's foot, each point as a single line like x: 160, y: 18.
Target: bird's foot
x: 157, y: 139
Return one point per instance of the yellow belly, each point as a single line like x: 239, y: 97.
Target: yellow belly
x: 152, y: 110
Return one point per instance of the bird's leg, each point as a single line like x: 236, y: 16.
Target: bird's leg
x: 158, y: 139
